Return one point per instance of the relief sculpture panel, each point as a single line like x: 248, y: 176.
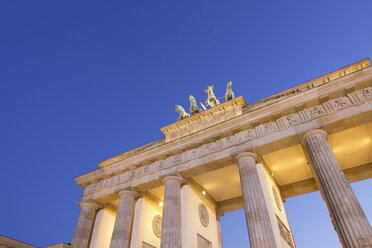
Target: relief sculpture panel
x: 203, y: 214
x: 156, y: 225
x: 276, y: 198
x: 341, y: 102
x: 284, y: 232
x: 204, y: 119
x: 146, y: 245
x: 203, y: 242
x: 293, y: 119
x: 197, y: 126
x: 367, y: 93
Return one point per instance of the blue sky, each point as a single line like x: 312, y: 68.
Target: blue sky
x: 81, y: 81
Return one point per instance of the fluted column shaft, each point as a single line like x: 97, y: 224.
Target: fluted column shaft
x: 124, y: 220
x: 171, y: 235
x: 84, y: 226
x: 348, y: 217
x: 259, y: 226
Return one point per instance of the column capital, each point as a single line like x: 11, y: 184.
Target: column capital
x: 128, y: 191
x: 312, y: 133
x: 246, y: 154
x: 89, y: 204
x: 173, y: 177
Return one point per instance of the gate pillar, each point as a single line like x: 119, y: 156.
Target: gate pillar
x: 348, y: 218
x: 84, y: 226
x: 171, y: 236
x: 267, y: 222
x: 124, y: 220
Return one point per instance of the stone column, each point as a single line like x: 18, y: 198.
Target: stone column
x: 84, y: 226
x: 124, y: 220
x: 259, y: 226
x: 171, y: 235
x: 219, y: 233
x: 347, y: 215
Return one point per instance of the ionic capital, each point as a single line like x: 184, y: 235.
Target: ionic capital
x: 312, y: 133
x: 89, y: 204
x: 246, y: 154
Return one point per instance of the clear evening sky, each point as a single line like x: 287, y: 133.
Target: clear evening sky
x: 82, y: 81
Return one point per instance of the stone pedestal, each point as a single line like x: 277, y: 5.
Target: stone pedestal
x: 84, y: 226
x: 347, y: 215
x: 258, y: 221
x: 171, y: 235
x: 124, y: 219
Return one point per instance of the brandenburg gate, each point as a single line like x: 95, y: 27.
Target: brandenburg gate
x: 227, y: 156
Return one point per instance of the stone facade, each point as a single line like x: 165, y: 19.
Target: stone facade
x: 260, y: 131
x: 184, y: 176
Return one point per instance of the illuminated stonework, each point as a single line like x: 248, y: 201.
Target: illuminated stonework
x: 261, y: 130
x: 205, y: 119
x: 317, y: 135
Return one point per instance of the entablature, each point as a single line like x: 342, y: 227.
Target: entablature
x: 195, y: 149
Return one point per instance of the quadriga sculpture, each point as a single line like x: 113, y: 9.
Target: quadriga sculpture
x: 212, y: 99
x: 229, y: 93
x: 182, y: 112
x: 194, y: 109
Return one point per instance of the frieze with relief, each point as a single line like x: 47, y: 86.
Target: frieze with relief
x: 341, y: 102
x: 248, y: 135
x: 207, y: 118
x: 270, y: 127
x: 367, y: 93
x: 292, y: 119
x: 195, y: 153
x: 317, y: 111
